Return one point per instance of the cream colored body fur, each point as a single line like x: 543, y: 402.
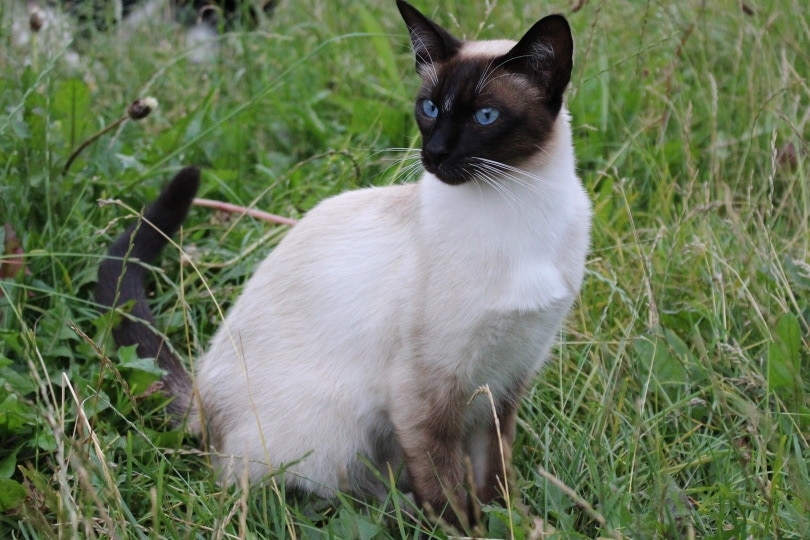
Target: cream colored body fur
x: 380, y: 293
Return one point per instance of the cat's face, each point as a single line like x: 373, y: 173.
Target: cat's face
x: 487, y: 106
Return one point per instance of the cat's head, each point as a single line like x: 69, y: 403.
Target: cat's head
x: 487, y: 105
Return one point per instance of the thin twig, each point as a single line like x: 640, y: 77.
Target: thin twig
x: 252, y: 212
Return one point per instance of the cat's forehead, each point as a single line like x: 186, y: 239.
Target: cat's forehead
x: 474, y: 72
x: 486, y: 48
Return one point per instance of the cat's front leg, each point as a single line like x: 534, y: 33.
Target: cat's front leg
x: 495, y: 471
x: 428, y: 418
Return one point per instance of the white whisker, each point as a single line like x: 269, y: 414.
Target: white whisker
x: 482, y: 82
x: 487, y: 72
x: 514, y: 173
x: 427, y: 62
x: 481, y: 172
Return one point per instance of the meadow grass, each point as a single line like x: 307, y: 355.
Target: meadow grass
x: 677, y: 404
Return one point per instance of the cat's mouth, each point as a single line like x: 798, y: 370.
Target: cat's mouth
x: 452, y: 176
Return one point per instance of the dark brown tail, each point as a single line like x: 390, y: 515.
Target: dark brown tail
x: 121, y: 280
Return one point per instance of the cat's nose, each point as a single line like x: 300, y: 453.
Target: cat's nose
x: 438, y: 148
x: 436, y: 154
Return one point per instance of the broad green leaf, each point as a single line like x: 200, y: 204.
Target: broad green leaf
x: 12, y: 494
x: 71, y: 105
x: 784, y: 357
x: 662, y: 357
x: 8, y: 465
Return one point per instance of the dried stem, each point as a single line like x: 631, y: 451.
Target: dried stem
x: 252, y: 212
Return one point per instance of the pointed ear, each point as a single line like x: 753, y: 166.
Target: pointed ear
x: 546, y: 54
x: 431, y: 42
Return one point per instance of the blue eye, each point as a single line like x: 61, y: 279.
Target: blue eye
x: 486, y: 115
x: 430, y: 109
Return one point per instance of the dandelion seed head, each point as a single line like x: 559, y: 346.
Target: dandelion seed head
x: 140, y: 108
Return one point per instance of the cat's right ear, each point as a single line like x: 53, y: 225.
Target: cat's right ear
x: 431, y: 42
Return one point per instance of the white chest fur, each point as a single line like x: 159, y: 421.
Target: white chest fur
x: 502, y: 264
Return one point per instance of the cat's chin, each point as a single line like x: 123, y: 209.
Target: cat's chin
x: 452, y: 180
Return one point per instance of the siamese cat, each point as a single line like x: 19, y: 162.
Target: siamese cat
x: 360, y: 341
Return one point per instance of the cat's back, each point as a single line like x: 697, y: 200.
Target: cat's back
x: 358, y: 230
x: 336, y: 273
x: 373, y: 211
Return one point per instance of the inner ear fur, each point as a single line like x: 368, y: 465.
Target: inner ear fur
x: 545, y: 53
x: 431, y: 42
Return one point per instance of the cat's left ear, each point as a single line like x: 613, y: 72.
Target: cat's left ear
x: 431, y: 42
x: 546, y: 53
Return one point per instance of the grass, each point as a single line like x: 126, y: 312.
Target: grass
x: 678, y: 401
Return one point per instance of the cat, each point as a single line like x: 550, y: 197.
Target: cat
x: 360, y: 340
